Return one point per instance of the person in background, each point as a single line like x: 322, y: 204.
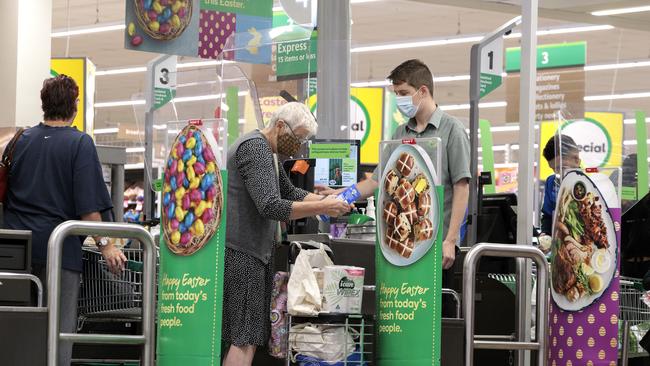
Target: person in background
x: 56, y: 176
x: 413, y: 85
x: 561, y: 153
x: 257, y: 199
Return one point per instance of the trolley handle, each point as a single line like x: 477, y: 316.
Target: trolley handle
x: 25, y: 276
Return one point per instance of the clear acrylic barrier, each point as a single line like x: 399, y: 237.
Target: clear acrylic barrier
x: 258, y: 65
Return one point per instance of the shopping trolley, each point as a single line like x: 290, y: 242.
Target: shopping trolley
x: 634, y: 319
x: 110, y: 303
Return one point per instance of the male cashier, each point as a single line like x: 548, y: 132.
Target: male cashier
x: 413, y: 86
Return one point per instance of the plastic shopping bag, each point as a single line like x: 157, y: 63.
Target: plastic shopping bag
x: 304, y: 294
x: 327, y: 343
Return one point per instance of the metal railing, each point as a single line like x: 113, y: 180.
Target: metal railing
x: 455, y: 296
x: 493, y: 342
x: 84, y: 228
x: 24, y: 276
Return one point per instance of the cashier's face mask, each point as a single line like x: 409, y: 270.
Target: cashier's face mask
x: 288, y: 143
x: 406, y: 106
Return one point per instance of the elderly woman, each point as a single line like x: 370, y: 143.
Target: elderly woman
x: 259, y: 195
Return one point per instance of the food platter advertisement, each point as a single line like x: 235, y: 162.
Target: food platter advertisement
x: 585, y: 288
x: 192, y: 241
x: 409, y: 262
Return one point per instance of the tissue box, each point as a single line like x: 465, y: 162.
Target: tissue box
x: 343, y: 289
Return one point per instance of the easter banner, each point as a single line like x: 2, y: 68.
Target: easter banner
x: 200, y: 28
x: 190, y: 287
x: 408, y: 260
x: 585, y: 288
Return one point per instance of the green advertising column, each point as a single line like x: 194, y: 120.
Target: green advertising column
x: 408, y: 258
x: 192, y: 242
x: 642, y: 154
x: 488, y: 153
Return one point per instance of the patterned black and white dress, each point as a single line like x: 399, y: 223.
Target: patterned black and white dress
x: 248, y: 277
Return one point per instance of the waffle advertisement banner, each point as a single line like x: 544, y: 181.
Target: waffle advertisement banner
x: 585, y: 288
x: 200, y: 28
x: 192, y: 242
x: 409, y: 262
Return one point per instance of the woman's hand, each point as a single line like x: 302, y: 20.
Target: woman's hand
x: 115, y: 259
x: 334, y: 207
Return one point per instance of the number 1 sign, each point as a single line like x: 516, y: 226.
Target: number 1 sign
x: 491, y: 66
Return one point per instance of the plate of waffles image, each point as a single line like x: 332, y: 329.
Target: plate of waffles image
x: 409, y: 206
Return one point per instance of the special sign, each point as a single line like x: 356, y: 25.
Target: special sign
x: 599, y: 137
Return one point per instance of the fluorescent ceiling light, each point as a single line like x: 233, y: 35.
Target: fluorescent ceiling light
x: 416, y: 44
x: 103, y: 131
x: 130, y: 150
x: 127, y: 70
x: 633, y: 142
x: 134, y: 166
x: 444, y: 79
x: 58, y: 33
x: 280, y: 8
x: 457, y: 107
x: 637, y: 9
x: 159, y: 127
x: 119, y: 103
x: 590, y: 98
x: 623, y: 65
x: 185, y: 65
x: 472, y: 39
x: 196, y: 98
x: 632, y: 121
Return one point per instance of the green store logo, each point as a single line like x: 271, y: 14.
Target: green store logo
x: 360, y: 120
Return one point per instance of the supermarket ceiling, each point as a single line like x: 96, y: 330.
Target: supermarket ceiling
x: 622, y: 39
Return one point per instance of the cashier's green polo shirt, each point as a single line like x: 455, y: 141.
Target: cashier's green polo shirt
x: 455, y: 151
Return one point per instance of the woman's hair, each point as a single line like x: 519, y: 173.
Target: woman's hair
x: 296, y: 115
x: 59, y: 98
x: 413, y: 72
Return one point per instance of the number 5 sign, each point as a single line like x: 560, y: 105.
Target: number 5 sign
x: 491, y: 66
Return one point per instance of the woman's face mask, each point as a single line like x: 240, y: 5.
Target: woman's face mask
x: 288, y: 143
x: 406, y: 106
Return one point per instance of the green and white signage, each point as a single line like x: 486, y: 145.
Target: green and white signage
x: 550, y: 56
x: 190, y: 293
x: 296, y: 59
x: 491, y: 66
x: 164, y: 82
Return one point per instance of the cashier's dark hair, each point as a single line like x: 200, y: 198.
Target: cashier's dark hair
x: 59, y: 98
x: 566, y: 146
x: 413, y: 72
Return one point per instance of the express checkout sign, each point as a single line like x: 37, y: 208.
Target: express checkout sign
x: 599, y: 137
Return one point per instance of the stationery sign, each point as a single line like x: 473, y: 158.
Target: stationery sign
x: 409, y: 259
x: 585, y: 288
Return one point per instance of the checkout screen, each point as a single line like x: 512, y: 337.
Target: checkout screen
x: 336, y: 170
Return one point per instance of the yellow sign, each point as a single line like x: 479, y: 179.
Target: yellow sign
x: 599, y: 137
x: 82, y: 71
x: 366, y: 116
